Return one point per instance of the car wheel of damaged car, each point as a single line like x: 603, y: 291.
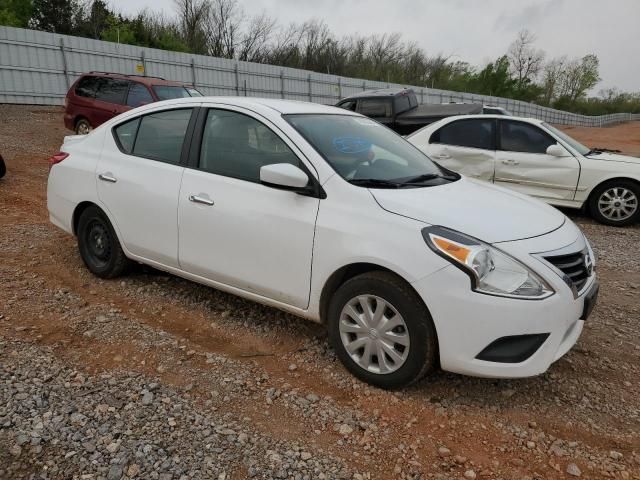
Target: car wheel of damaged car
x: 616, y: 203
x: 382, y: 332
x: 99, y: 246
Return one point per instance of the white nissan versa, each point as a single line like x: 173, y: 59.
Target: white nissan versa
x: 331, y: 216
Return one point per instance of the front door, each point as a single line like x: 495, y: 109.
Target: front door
x: 233, y: 229
x: 522, y: 163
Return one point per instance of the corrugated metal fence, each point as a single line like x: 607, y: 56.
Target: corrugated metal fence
x: 39, y: 67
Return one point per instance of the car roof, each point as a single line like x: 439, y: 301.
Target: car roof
x: 443, y: 121
x: 382, y: 92
x: 285, y: 107
x: 146, y: 80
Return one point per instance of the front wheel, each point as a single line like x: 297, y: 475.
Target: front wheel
x: 616, y: 203
x: 99, y: 246
x: 382, y: 331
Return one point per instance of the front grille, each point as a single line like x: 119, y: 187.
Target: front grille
x: 576, y: 266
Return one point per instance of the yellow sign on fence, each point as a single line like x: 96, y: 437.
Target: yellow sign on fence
x: 140, y: 68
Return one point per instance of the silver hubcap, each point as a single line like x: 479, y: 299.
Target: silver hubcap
x: 374, y: 334
x: 618, y: 203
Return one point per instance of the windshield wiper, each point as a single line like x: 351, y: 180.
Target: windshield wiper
x: 595, y: 151
x: 374, y: 182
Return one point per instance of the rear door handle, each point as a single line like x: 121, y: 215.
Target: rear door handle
x: 510, y: 162
x: 201, y: 199
x: 107, y: 177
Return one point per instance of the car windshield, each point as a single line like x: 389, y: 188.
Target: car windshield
x: 361, y: 150
x: 576, y: 145
x: 165, y: 92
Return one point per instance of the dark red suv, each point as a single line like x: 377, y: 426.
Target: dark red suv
x: 99, y: 96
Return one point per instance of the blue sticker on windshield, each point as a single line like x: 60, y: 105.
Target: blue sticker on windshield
x: 351, y: 144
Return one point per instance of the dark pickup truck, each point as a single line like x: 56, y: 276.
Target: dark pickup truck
x: 399, y: 110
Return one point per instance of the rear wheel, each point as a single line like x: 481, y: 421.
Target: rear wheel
x: 382, y: 331
x: 616, y: 203
x: 99, y: 246
x: 83, y: 127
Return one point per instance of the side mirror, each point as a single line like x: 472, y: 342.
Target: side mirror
x: 556, y: 150
x: 283, y: 175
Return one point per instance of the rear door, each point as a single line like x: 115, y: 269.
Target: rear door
x: 465, y: 146
x: 139, y: 175
x: 110, y: 99
x: 522, y: 163
x: 233, y: 229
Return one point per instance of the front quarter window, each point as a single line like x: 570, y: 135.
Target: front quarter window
x: 360, y: 149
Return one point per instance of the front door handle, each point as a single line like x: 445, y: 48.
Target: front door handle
x: 201, y: 199
x: 107, y: 177
x: 510, y: 162
x: 442, y: 156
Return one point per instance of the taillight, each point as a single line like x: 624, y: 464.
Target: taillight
x: 57, y: 158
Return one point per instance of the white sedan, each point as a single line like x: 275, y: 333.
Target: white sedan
x: 535, y: 158
x: 330, y: 216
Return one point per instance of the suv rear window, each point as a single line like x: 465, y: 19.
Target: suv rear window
x: 111, y: 90
x: 167, y: 92
x: 87, y: 87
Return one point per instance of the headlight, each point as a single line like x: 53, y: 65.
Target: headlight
x: 491, y: 271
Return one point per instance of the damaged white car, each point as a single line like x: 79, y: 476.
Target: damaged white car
x: 535, y: 158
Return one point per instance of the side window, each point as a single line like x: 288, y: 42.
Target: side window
x: 403, y: 103
x: 348, y: 105
x: 87, y: 87
x: 473, y: 133
x: 161, y: 135
x: 111, y: 90
x: 523, y: 137
x: 126, y: 134
x: 236, y: 145
x: 375, y: 107
x: 138, y: 95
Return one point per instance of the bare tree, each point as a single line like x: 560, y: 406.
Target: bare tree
x: 224, y: 28
x: 552, y: 76
x: 192, y: 15
x: 255, y: 40
x: 524, y: 59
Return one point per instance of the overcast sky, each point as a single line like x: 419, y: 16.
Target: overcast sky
x: 476, y: 31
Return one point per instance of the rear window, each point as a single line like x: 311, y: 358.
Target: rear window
x: 111, y: 90
x: 161, y: 135
x: 138, y: 95
x: 126, y: 134
x: 87, y: 87
x: 375, y: 107
x: 167, y: 92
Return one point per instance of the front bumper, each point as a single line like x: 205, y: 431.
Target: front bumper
x: 468, y: 322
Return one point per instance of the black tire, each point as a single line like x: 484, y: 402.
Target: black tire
x: 600, y: 190
x: 423, y: 348
x: 3, y: 167
x: 99, y: 246
x: 83, y: 126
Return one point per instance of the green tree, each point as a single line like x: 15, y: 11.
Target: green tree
x: 15, y: 13
x: 494, y: 79
x: 54, y: 15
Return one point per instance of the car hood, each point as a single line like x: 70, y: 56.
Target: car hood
x: 614, y: 157
x: 482, y: 210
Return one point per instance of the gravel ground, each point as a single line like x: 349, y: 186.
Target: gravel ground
x: 154, y: 377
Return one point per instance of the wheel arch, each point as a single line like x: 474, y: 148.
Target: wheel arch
x: 347, y: 272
